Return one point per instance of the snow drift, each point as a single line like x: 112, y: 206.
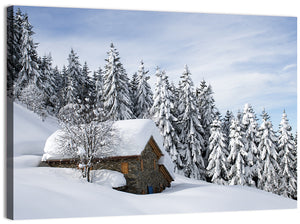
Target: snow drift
x: 108, y: 177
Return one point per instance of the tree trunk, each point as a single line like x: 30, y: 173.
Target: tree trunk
x: 88, y: 174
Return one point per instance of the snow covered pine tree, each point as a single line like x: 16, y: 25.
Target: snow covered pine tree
x: 97, y: 94
x: 208, y: 113
x: 29, y: 71
x: 226, y: 122
x: 191, y: 129
x: 217, y: 167
x: 143, y: 94
x: 286, y: 146
x: 164, y: 119
x: 49, y: 84
x: 269, y: 178
x: 250, y: 130
x: 239, y: 173
x: 117, y: 101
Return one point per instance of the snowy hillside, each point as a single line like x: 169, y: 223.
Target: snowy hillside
x: 30, y: 133
x: 42, y: 192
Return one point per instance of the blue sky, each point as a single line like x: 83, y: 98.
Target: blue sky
x: 246, y: 59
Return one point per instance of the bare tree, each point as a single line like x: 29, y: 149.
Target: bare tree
x: 86, y: 140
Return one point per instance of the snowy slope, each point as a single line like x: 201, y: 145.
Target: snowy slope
x: 30, y: 133
x: 42, y: 192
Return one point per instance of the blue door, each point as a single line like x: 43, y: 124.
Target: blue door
x: 150, y: 190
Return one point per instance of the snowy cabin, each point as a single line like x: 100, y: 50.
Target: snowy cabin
x: 139, y: 156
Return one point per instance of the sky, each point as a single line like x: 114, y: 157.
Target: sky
x: 246, y: 59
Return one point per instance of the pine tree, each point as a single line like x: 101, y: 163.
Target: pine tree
x: 76, y: 93
x: 59, y: 87
x: 295, y: 155
x: 28, y: 60
x: 97, y: 86
x: 117, y: 101
x: 250, y: 129
x: 239, y: 116
x: 133, y: 85
x: 191, y: 129
x: 85, y: 98
x: 144, y: 95
x: 174, y: 98
x: 165, y: 120
x: 70, y: 91
x: 268, y: 177
x: 295, y: 164
x: 154, y: 111
x: 157, y: 99
x: 48, y: 83
x: 208, y: 112
x: 239, y: 173
x: 217, y: 160
x: 265, y: 116
x: 226, y: 122
x: 286, y: 146
x: 98, y: 94
x: 75, y: 78
x: 14, y: 41
x: 86, y: 83
x: 64, y: 86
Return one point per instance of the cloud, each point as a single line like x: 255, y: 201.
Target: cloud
x: 287, y: 67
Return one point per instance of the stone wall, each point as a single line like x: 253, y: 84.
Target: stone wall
x: 60, y: 163
x: 133, y: 170
x: 151, y: 175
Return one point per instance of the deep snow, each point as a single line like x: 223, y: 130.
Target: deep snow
x: 41, y: 192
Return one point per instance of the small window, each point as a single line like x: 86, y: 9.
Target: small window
x: 124, y: 168
x: 154, y: 164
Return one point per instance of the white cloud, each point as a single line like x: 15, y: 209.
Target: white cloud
x: 289, y: 67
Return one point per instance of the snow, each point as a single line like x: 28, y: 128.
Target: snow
x: 132, y: 136
x: 30, y: 133
x: 108, y: 178
x: 44, y: 192
x: 52, y: 149
x: 58, y: 192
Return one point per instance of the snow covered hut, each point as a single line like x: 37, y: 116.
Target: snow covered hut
x: 139, y: 155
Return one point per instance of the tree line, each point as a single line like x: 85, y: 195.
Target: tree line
x: 233, y: 150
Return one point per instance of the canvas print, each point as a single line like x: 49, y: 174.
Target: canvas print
x: 120, y: 112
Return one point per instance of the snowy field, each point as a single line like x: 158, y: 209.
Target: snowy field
x: 42, y: 192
